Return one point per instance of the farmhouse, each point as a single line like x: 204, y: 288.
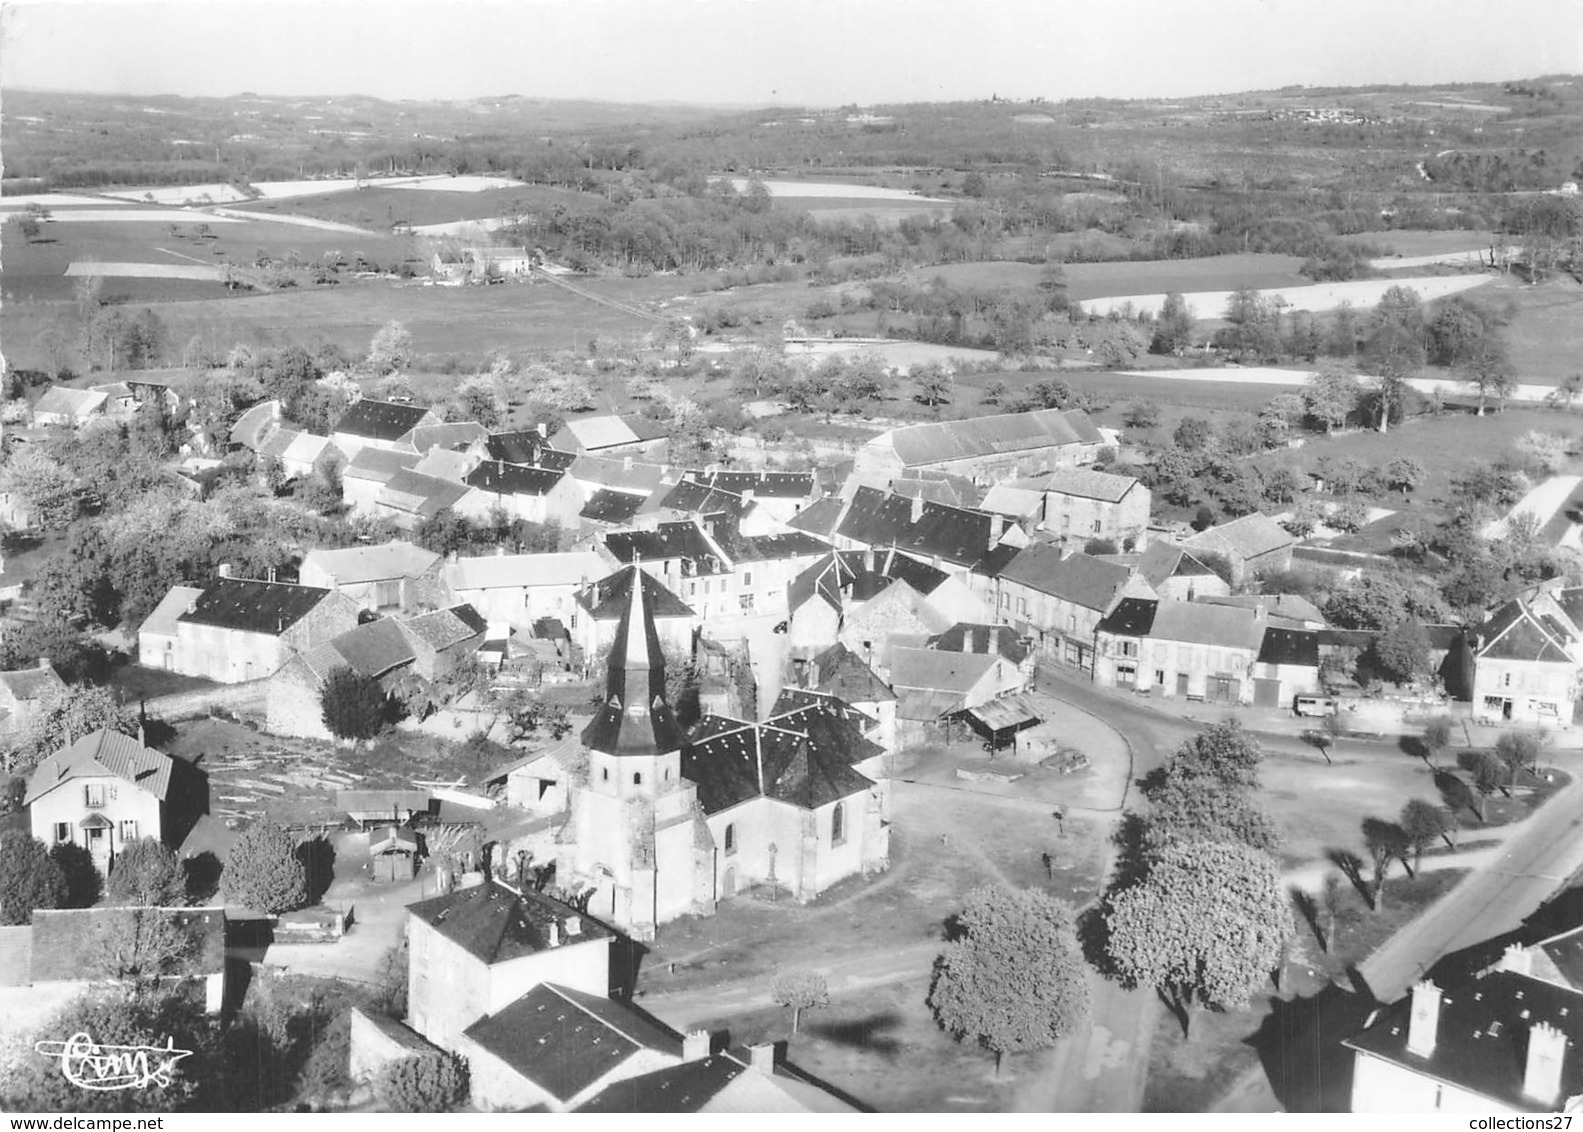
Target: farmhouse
x: 409, y: 498
x: 612, y: 436
x: 985, y: 450
x: 20, y: 693
x: 69, y: 408
x: 241, y: 629
x: 519, y: 589
x: 366, y: 475
x: 1059, y: 600
x: 394, y: 575
x: 379, y: 424
x: 1082, y: 504
x: 300, y: 453
x: 1253, y: 544
x: 536, y: 495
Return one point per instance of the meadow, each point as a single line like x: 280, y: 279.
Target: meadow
x: 382, y: 206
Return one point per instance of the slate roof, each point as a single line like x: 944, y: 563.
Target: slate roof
x: 1192, y: 622
x: 965, y: 636
x: 503, y: 571
x: 608, y: 598
x: 919, y: 575
x: 1290, y: 646
x: 1514, y: 632
x: 381, y: 420
x: 445, y: 628
x: 65, y: 939
x: 1247, y: 537
x: 767, y: 485
x: 1132, y: 617
x: 1086, y: 483
x: 30, y: 683
x: 824, y: 579
x: 777, y: 548
x: 417, y: 494
x: 606, y: 506
x: 354, y: 565
x: 803, y: 758
x: 492, y: 923
x: 513, y: 479
x: 1078, y: 578
x: 525, y: 447
x: 442, y: 463
x: 840, y: 672
x: 873, y: 517
x: 1018, y: 502
x: 564, y: 1040
x: 953, y: 491
x: 635, y: 718
x: 685, y: 540
x: 952, y: 534
x: 819, y: 517
x: 378, y: 464
x: 688, y: 1087
x: 100, y: 753
x: 1482, y: 1039
x: 252, y: 606
x: 1292, y: 606
x: 701, y: 499
x: 932, y: 670
x: 985, y: 436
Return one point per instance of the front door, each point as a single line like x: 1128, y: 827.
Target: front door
x: 728, y: 883
x: 1181, y: 683
x: 99, y: 847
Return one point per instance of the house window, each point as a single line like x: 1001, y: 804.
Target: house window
x: 731, y: 840
x: 747, y: 577
x: 1005, y: 601
x: 63, y: 831
x: 692, y: 589
x: 1097, y: 526
x: 838, y: 824
x: 607, y: 774
x: 1506, y: 680
x: 637, y: 780
x: 128, y: 831
x: 746, y: 601
x: 1494, y: 703
x: 1071, y: 622
x: 93, y: 795
x: 1129, y: 648
x: 1022, y: 606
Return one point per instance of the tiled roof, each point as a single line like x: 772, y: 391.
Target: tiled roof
x: 1163, y: 560
x: 824, y: 579
x: 1078, y: 578
x: 424, y: 496
x: 1247, y: 537
x: 953, y: 491
x: 445, y: 628
x: 967, y: 637
x: 387, y: 561
x: 99, y: 753
x: 1089, y: 484
x: 1132, y: 617
x: 1293, y: 606
x: 370, y: 650
x: 30, y: 683
x: 513, y: 479
x: 620, y: 474
x: 457, y: 434
x: 295, y: 445
x: 492, y: 923
x: 505, y: 571
x: 162, y: 622
x: 594, y: 433
x: 1290, y: 646
x: 378, y: 464
x: 606, y: 506
x: 840, y: 672
x: 984, y: 436
x: 253, y: 606
x: 565, y: 1040
x: 1192, y: 622
x: 65, y: 940
x: 932, y: 670
x: 1018, y: 502
x: 382, y: 420
x: 819, y: 517
x: 442, y: 463
x: 70, y: 402
x: 1482, y: 1037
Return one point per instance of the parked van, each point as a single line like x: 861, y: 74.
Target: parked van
x: 1315, y: 705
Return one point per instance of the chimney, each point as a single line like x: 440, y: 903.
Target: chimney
x: 917, y: 508
x: 544, y: 430
x: 555, y: 934
x: 1547, y: 1048
x: 1423, y: 1025
x: 224, y: 570
x: 574, y: 926
x: 44, y: 664
x: 626, y: 463
x: 997, y: 527
x: 271, y: 575
x: 762, y: 1058
x: 1517, y: 959
x: 335, y: 583
x: 695, y: 1045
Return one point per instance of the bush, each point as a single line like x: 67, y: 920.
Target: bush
x: 147, y: 872
x: 354, y: 706
x: 264, y: 872
x: 436, y: 1082
x: 29, y: 879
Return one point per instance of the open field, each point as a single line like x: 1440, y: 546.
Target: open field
x: 133, y: 216
x: 49, y: 200
x: 827, y: 190
x: 182, y: 194
x: 1212, y: 273
x: 143, y: 270
x: 1546, y: 334
x: 1418, y: 241
x: 1316, y: 297
x: 382, y: 206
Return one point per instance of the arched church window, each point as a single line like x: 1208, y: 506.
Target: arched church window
x: 731, y: 840
x: 838, y: 824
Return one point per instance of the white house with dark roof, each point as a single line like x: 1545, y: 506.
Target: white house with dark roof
x: 1201, y: 652
x: 409, y: 499
x: 240, y: 629
x: 107, y: 790
x: 518, y: 589
x: 1526, y: 659
x: 156, y: 637
x: 600, y: 605
x: 535, y: 495
x: 393, y: 575
x: 366, y: 475
x: 368, y: 423
x: 1058, y: 600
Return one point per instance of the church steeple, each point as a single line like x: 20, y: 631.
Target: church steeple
x: 635, y: 719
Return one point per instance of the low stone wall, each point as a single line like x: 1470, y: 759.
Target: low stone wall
x: 245, y: 697
x: 377, y: 1041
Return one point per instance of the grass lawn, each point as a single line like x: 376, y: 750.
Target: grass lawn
x: 380, y: 206
x: 882, y: 1047
x: 1211, y: 273
x: 1418, y: 241
x: 1547, y: 333
x: 1190, y: 1074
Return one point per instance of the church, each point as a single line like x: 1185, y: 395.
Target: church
x: 663, y: 825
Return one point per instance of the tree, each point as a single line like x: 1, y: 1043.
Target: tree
x: 1331, y: 394
x: 1173, y: 327
x: 1566, y: 394
x: 799, y: 991
x: 1403, y: 474
x: 390, y: 350
x: 29, y: 878
x: 64, y: 715
x: 47, y: 491
x: 264, y: 872
x: 1141, y: 414
x: 146, y: 872
x: 1206, y: 926
x: 1544, y: 452
x: 1013, y: 978
x: 934, y: 383
x: 1401, y: 653
x: 25, y: 226
x: 1436, y: 737
x: 352, y: 705
x: 139, y: 947
x: 84, y: 885
x: 1488, y: 772
x: 1193, y: 434
x: 1226, y: 752
x: 425, y: 1082
x: 1393, y: 353
x: 1386, y: 842
x: 1519, y: 750
x: 1488, y: 367
x: 1253, y: 327
x: 1424, y: 823
x: 1195, y: 807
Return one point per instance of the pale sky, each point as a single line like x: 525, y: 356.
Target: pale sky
x: 794, y: 52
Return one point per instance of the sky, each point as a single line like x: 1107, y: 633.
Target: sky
x: 766, y: 52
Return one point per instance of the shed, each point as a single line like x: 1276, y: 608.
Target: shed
x: 395, y: 853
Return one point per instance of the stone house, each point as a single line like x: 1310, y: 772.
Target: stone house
x: 379, y: 424
x: 984, y: 450
x: 396, y: 575
x: 1058, y: 601
x: 611, y: 435
x: 293, y: 702
x: 1286, y: 667
x: 107, y: 790
x: 240, y: 629
x: 519, y: 589
x: 1253, y: 544
x: 777, y: 496
x: 366, y: 475
x: 932, y: 685
x: 601, y: 605
x: 1526, y: 659
x: 536, y: 495
x: 409, y: 498
x: 20, y: 693
x: 300, y: 453
x: 1200, y: 651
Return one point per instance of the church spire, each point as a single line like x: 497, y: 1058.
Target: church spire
x: 635, y: 719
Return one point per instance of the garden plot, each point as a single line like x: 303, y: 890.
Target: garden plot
x: 183, y: 194
x: 1317, y: 299
x: 1542, y: 502
x: 299, y: 221
x: 146, y: 270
